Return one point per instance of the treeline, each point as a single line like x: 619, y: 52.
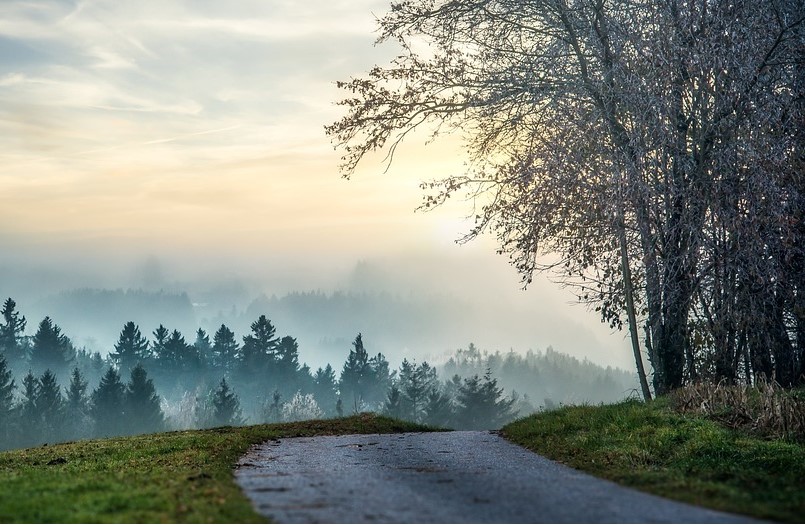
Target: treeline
x: 50, y: 391
x: 546, y: 378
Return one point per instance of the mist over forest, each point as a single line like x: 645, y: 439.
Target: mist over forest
x: 420, y: 306
x: 165, y: 344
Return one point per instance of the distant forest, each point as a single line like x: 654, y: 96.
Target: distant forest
x: 51, y: 391
x: 324, y: 323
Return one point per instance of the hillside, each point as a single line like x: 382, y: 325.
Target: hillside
x: 175, y: 477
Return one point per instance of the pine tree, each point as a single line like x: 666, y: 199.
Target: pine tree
x: 177, y: 356
x: 50, y: 408
x: 142, y: 404
x: 161, y: 335
x: 51, y: 349
x: 416, y: 383
x: 287, y: 360
x: 259, y: 348
x: 28, y: 414
x: 224, y: 350
x: 355, y: 375
x: 226, y: 406
x: 108, y: 404
x: 11, y: 334
x: 438, y: 409
x: 203, y: 348
x: 77, y: 407
x: 481, y: 404
x: 392, y: 407
x: 325, y: 389
x: 7, y: 413
x: 131, y: 348
x: 379, y: 380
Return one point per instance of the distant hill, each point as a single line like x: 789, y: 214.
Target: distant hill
x: 547, y: 378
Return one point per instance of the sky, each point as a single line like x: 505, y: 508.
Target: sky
x: 193, y: 131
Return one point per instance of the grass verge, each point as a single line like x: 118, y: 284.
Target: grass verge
x: 156, y: 478
x: 651, y: 448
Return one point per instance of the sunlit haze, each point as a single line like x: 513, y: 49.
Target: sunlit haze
x: 185, y: 138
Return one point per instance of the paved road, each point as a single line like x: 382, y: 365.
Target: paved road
x: 440, y: 477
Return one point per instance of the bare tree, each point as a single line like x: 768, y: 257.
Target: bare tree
x: 612, y: 134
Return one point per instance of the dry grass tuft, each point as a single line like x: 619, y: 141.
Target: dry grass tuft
x: 765, y: 408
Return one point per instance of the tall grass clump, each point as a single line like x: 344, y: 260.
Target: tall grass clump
x: 764, y: 408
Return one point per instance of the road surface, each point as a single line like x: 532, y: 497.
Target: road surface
x: 439, y: 477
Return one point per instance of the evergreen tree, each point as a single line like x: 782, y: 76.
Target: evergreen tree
x: 379, y: 381
x: 142, y: 404
x: 108, y: 405
x: 259, y: 348
x: 203, y: 348
x: 392, y: 407
x: 304, y: 379
x: 29, y: 417
x: 51, y: 349
x: 177, y: 356
x: 50, y: 408
x: 438, y: 409
x: 287, y: 364
x: 161, y: 335
x: 131, y: 348
x: 11, y: 334
x: 416, y: 383
x: 226, y: 406
x: 77, y: 407
x: 7, y: 413
x: 481, y: 404
x: 224, y: 350
x: 325, y: 389
x: 355, y: 376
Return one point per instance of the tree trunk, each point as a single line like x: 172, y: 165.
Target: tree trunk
x: 630, y: 308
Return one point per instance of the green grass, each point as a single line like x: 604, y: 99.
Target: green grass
x: 651, y: 448
x: 169, y: 477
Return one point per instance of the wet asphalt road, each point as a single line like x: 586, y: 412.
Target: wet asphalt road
x: 439, y: 477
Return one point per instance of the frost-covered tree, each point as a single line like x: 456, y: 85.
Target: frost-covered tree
x: 649, y: 149
x: 301, y: 407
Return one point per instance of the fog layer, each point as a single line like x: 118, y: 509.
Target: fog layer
x: 419, y: 305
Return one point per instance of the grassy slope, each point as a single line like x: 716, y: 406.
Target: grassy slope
x: 649, y: 447
x: 170, y: 477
